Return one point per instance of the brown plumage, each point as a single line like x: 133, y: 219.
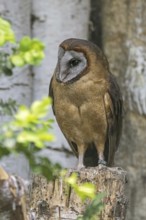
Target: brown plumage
x: 87, y: 102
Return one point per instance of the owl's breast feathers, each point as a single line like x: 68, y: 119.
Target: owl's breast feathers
x: 79, y: 107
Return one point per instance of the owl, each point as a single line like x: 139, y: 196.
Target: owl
x: 87, y: 102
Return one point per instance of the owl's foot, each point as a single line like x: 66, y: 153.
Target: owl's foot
x: 80, y: 166
x: 102, y: 162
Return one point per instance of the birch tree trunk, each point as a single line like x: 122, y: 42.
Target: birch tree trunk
x: 124, y: 42
x: 54, y: 21
x: 19, y: 86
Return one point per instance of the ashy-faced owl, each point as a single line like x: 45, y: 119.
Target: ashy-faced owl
x: 87, y: 102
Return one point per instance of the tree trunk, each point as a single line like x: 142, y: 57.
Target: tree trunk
x: 54, y: 21
x: 19, y: 86
x: 56, y: 200
x: 124, y: 42
x: 12, y: 197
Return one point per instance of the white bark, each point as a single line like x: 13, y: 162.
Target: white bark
x: 17, y: 87
x: 136, y: 71
x: 53, y: 22
x: 124, y: 43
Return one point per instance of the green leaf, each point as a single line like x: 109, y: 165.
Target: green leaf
x: 41, y: 108
x: 93, y: 210
x: 72, y: 179
x: 28, y: 57
x: 86, y: 190
x: 25, y: 43
x: 4, y: 24
x: 45, y: 136
x: 37, y: 44
x: 17, y: 60
x: 6, y: 33
x: 7, y: 71
x: 2, y: 38
x: 29, y: 137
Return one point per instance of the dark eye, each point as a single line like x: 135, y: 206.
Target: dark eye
x: 74, y: 62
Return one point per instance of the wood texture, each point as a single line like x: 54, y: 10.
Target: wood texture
x: 12, y: 197
x: 124, y: 42
x: 56, y: 200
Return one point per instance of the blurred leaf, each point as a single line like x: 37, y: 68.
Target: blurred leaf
x: 2, y: 38
x: 8, y: 107
x: 17, y: 60
x: 7, y: 71
x: 92, y: 212
x: 86, y: 190
x: 46, y: 168
x: 41, y: 108
x: 29, y: 51
x: 6, y: 33
x: 25, y: 44
x: 29, y: 126
x: 72, y: 179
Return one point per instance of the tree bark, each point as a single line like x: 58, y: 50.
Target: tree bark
x: 54, y: 21
x: 19, y: 86
x: 12, y: 197
x: 124, y: 42
x: 56, y: 200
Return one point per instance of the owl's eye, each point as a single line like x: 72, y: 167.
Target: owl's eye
x: 74, y: 62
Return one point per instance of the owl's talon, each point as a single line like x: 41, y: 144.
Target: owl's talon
x: 80, y: 166
x: 103, y: 162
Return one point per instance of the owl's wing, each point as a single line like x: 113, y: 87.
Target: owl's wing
x: 51, y: 94
x: 114, y: 109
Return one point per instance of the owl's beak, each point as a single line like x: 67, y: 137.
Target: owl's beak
x: 61, y: 77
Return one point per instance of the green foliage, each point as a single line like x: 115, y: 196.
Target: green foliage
x: 28, y: 133
x: 93, y: 211
x: 28, y: 126
x: 29, y: 51
x: 8, y: 108
x: 86, y: 191
x: 25, y: 52
x: 31, y: 124
x: 6, y: 33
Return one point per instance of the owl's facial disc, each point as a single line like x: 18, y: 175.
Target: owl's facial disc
x: 70, y: 66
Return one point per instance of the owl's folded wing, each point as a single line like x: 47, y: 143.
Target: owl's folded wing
x: 113, y: 108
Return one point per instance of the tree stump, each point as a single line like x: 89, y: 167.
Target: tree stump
x: 12, y: 197
x: 55, y: 200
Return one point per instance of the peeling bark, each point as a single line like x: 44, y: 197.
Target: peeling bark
x: 124, y: 30
x: 12, y: 197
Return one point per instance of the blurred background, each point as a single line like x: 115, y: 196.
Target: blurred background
x: 118, y: 28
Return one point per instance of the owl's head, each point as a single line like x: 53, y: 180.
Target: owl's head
x: 75, y: 58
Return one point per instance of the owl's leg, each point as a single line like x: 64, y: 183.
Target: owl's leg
x: 81, y: 152
x: 100, y: 152
x: 101, y: 159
